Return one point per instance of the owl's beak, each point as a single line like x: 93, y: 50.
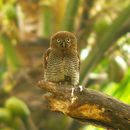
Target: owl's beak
x: 63, y: 44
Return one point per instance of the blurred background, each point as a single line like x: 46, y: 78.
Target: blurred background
x: 103, y: 31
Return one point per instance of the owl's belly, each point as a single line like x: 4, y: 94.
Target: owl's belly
x: 71, y: 70
x: 62, y: 69
x: 55, y: 70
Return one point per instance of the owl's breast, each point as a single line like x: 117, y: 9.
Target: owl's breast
x: 61, y: 66
x: 72, y: 67
x: 55, y: 68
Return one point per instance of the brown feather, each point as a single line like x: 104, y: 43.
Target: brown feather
x: 45, y: 57
x: 61, y: 62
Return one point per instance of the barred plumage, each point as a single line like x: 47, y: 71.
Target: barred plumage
x: 61, y: 60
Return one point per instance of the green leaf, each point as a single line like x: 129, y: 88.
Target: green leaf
x: 12, y: 55
x: 105, y: 42
x: 5, y: 115
x: 69, y: 17
x: 17, y: 107
x: 47, y: 23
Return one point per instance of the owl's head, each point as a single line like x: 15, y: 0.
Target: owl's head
x: 64, y: 40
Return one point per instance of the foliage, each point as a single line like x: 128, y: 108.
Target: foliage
x: 104, y: 44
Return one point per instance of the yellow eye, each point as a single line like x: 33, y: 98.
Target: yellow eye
x: 68, y: 40
x: 58, y: 40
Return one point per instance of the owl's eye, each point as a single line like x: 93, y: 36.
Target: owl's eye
x: 58, y: 40
x: 68, y: 40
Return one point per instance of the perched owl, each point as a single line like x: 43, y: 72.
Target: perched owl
x: 61, y: 60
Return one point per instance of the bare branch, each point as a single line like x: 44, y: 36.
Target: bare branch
x: 87, y: 105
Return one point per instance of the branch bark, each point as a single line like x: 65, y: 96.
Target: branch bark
x: 87, y: 105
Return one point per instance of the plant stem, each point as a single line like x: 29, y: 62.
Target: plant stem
x: 12, y: 55
x: 69, y: 17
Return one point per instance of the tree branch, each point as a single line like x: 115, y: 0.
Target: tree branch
x: 87, y: 105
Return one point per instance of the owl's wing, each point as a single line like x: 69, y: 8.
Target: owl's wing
x: 45, y: 58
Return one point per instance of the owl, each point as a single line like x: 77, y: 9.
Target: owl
x: 61, y: 60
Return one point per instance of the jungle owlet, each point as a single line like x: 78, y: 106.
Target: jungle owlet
x: 61, y: 60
